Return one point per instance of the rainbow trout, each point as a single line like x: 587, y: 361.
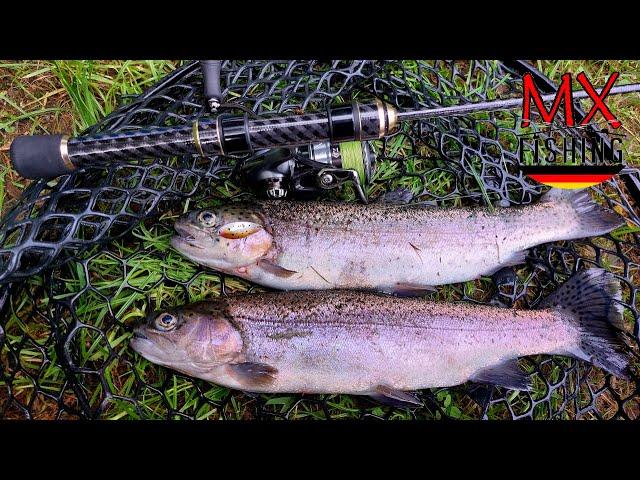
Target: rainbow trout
x: 391, y: 248
x: 368, y: 344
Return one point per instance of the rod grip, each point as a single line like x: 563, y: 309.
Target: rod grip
x: 40, y: 156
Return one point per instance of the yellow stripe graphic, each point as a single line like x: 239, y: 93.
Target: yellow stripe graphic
x: 570, y: 185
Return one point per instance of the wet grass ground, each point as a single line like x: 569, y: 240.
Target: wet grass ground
x: 127, y: 280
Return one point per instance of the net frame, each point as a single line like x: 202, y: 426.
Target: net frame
x: 96, y: 216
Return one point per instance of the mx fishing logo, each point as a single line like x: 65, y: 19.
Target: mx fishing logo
x: 578, y: 150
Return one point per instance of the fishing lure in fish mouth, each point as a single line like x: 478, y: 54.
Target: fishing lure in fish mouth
x: 236, y: 230
x: 226, y: 224
x: 229, y: 237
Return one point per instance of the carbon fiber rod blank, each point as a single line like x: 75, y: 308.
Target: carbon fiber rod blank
x: 508, y: 104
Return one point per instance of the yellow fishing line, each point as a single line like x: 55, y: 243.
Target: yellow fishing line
x: 353, y: 158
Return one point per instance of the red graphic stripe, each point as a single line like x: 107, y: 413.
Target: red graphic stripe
x: 582, y: 178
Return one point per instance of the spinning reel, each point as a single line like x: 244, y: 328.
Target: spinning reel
x: 307, y: 171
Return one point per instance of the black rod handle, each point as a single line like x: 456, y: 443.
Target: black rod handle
x: 41, y: 156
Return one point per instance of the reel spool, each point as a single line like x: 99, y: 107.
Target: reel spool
x: 305, y: 172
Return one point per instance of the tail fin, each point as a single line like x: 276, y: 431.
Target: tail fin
x: 594, y: 218
x: 590, y: 299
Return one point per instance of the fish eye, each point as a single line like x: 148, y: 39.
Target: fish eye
x: 166, y: 322
x: 207, y: 219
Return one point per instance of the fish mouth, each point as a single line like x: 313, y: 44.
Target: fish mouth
x: 183, y: 243
x: 185, y: 236
x: 149, y: 350
x: 183, y: 231
x: 137, y: 343
x: 139, y: 334
x: 145, y: 347
x: 138, y: 340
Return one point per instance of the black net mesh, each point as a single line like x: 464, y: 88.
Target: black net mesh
x: 84, y: 256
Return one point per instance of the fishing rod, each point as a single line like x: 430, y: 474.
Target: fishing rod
x: 48, y: 156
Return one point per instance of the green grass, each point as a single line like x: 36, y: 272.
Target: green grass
x: 42, y: 97
x: 126, y: 279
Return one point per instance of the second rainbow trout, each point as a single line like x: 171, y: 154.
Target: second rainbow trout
x: 368, y: 344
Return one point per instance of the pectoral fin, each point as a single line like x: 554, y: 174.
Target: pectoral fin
x: 504, y: 276
x: 517, y: 258
x: 253, y: 374
x: 506, y: 374
x: 514, y: 259
x: 395, y: 398
x: 409, y: 289
x: 399, y: 196
x: 276, y: 270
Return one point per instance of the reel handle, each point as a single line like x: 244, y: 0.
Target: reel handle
x: 44, y: 156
